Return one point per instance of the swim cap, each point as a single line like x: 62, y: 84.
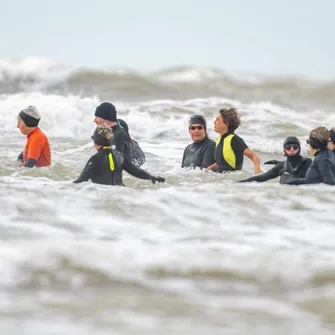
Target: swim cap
x: 197, y: 119
x: 123, y: 124
x: 106, y: 111
x: 30, y: 116
x: 292, y: 140
x: 103, y: 135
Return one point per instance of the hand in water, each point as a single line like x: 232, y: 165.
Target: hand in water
x: 157, y: 179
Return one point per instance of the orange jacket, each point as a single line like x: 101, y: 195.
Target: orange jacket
x: 38, y: 148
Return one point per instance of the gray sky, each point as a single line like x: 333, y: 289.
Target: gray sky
x: 256, y: 36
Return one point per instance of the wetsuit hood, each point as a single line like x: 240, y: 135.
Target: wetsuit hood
x: 292, y: 140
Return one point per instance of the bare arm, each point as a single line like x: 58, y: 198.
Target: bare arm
x: 254, y: 158
x: 212, y: 167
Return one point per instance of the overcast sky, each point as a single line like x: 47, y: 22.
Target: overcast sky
x: 255, y: 36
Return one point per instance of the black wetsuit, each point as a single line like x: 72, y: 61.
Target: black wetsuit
x: 238, y: 146
x: 122, y: 141
x: 98, y: 169
x: 137, y: 154
x: 295, y: 167
x: 199, y: 154
x: 322, y: 170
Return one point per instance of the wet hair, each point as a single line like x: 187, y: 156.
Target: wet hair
x: 231, y: 118
x: 318, y: 138
x: 103, y: 135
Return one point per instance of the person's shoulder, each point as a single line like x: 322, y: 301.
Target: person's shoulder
x: 188, y: 146
x: 237, y: 137
x: 209, y: 144
x: 210, y: 141
x: 239, y: 140
x: 307, y: 160
x: 37, y: 133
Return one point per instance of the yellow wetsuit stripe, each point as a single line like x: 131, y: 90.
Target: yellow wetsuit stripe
x: 110, y: 159
x: 227, y: 150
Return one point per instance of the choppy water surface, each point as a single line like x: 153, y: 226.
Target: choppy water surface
x: 199, y: 254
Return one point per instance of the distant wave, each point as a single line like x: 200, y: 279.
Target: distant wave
x: 182, y: 82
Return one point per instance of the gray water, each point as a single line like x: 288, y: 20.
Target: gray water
x: 200, y: 254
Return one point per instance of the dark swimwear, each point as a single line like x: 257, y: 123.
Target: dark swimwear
x: 199, y: 154
x: 295, y: 167
x: 122, y: 141
x: 106, y: 167
x: 322, y: 170
x: 233, y: 146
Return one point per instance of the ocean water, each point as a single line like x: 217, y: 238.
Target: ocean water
x: 200, y: 254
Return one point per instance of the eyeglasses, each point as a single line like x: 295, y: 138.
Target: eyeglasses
x: 197, y: 127
x: 289, y: 146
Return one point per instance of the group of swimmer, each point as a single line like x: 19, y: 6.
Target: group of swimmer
x: 117, y: 151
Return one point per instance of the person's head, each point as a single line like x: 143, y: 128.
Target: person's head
x: 318, y: 139
x: 105, y: 113
x: 102, y: 136
x: 331, y: 140
x: 291, y: 146
x: 227, y: 120
x: 197, y: 127
x: 28, y: 119
x: 123, y: 124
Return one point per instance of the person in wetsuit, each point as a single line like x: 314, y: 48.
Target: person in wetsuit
x: 37, y: 150
x: 107, y: 165
x: 294, y: 167
x: 230, y: 148
x: 322, y: 170
x: 137, y: 154
x: 200, y: 153
x: 106, y: 113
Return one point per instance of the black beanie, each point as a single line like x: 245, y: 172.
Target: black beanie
x: 292, y: 140
x: 197, y: 119
x: 106, y: 111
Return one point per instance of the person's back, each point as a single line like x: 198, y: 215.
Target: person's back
x: 122, y: 142
x: 107, y: 165
x: 106, y: 113
x: 136, y: 154
x: 322, y: 169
